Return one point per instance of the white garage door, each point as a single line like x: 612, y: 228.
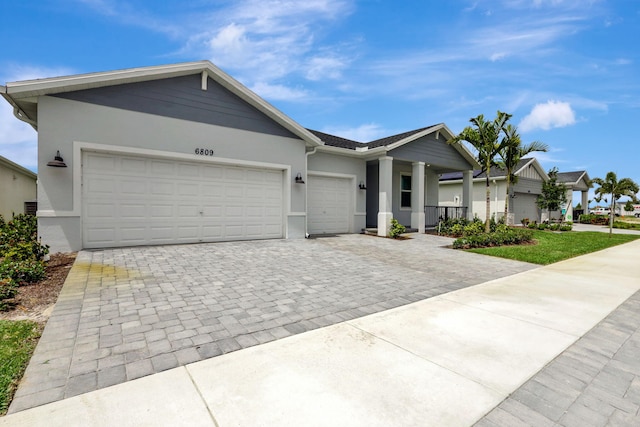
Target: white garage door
x: 130, y: 200
x: 328, y: 204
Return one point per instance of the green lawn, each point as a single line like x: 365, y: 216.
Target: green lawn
x: 554, y: 247
x: 18, y: 339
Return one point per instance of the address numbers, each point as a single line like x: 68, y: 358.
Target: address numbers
x: 204, y: 152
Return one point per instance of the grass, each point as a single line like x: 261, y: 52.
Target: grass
x: 18, y: 339
x: 554, y: 247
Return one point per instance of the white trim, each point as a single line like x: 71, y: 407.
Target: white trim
x: 50, y: 213
x: 297, y: 214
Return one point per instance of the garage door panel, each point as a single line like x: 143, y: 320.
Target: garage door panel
x: 166, y: 202
x: 328, y: 205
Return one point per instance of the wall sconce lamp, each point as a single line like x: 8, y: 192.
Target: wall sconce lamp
x: 299, y: 179
x: 362, y: 185
x: 57, y: 161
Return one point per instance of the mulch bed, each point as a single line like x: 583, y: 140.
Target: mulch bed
x: 34, y: 301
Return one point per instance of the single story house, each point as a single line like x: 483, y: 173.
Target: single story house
x: 185, y: 153
x: 17, y: 189
x: 523, y: 194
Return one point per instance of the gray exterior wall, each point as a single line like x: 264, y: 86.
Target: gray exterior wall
x: 183, y: 98
x: 343, y: 165
x: 436, y: 152
x: 63, y: 122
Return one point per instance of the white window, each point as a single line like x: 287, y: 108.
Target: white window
x: 405, y: 191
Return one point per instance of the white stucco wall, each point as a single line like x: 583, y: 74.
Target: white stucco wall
x: 449, y: 190
x: 67, y: 125
x: 346, y: 167
x: 16, y: 187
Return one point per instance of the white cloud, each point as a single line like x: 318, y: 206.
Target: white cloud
x: 363, y: 133
x: 278, y: 92
x: 319, y: 68
x: 553, y: 114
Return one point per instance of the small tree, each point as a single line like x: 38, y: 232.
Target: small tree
x: 554, y: 194
x: 484, y: 137
x: 617, y: 189
x: 512, y: 152
x: 628, y: 207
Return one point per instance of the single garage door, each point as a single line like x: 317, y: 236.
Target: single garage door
x: 130, y: 200
x: 524, y: 206
x: 328, y: 204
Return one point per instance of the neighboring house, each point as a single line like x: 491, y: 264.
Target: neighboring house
x: 184, y: 153
x: 575, y: 181
x: 523, y: 194
x: 17, y: 187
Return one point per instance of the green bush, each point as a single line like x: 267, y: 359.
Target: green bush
x: 22, y: 272
x: 396, y: 229
x: 19, y: 237
x: 510, y: 236
x: 626, y: 225
x: 594, y: 219
x: 8, y: 290
x: 473, y: 228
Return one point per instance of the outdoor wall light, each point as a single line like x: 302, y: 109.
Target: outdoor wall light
x: 57, y: 161
x: 362, y: 186
x: 299, y: 179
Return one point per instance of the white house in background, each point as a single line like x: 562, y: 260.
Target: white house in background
x: 522, y: 203
x: 17, y: 188
x: 575, y: 181
x: 184, y: 153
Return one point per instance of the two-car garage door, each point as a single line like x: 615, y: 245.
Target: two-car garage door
x: 131, y: 200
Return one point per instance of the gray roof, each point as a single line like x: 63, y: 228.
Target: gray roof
x: 570, y: 176
x: 336, y: 141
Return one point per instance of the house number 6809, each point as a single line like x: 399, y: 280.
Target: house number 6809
x: 204, y: 152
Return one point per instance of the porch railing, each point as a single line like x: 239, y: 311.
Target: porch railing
x: 434, y: 214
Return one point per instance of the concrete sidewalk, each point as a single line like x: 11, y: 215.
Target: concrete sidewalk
x: 444, y: 361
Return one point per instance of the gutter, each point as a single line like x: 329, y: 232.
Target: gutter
x: 17, y: 112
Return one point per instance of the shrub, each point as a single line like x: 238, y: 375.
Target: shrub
x: 8, y: 290
x: 533, y: 225
x: 524, y: 221
x: 19, y: 238
x: 396, y: 229
x: 22, y: 272
x: 510, y: 236
x: 594, y: 219
x: 473, y: 228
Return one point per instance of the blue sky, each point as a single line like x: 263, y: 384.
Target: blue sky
x: 568, y: 70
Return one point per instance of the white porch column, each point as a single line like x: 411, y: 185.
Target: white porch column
x: 467, y: 192
x: 385, y: 189
x: 585, y: 202
x: 568, y: 216
x: 417, y: 197
x: 433, y: 188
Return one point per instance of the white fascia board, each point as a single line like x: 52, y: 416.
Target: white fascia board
x: 483, y: 179
x: 342, y: 151
x: 54, y: 85
x: 40, y: 87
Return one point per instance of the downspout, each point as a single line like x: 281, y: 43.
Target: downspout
x: 306, y: 199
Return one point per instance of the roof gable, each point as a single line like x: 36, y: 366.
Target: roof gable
x: 183, y: 98
x: 23, y: 96
x: 499, y: 173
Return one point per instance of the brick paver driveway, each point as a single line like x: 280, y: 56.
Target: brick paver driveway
x: 126, y: 313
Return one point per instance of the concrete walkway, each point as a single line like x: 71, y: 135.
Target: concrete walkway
x: 443, y: 361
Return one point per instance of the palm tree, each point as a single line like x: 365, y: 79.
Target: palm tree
x: 617, y: 189
x: 484, y: 137
x: 511, y: 154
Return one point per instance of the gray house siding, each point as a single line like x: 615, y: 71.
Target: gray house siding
x: 436, y: 152
x: 183, y: 98
x: 526, y: 185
